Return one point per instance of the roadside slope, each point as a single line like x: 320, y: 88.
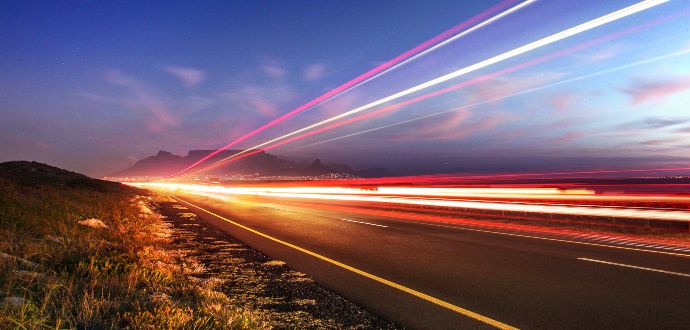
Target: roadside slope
x: 83, y: 253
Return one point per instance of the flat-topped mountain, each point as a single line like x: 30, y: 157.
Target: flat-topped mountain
x: 261, y: 163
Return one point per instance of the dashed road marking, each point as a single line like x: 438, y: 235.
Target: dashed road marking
x: 634, y: 267
x: 364, y: 223
x: 418, y: 294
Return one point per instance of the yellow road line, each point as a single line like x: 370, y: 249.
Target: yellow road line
x: 461, y: 227
x: 439, y: 302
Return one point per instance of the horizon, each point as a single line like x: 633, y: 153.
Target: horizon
x: 84, y: 90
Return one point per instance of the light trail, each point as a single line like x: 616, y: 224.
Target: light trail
x: 255, y: 150
x: 397, y: 195
x: 516, y: 193
x: 619, y: 14
x: 496, y: 99
x: 461, y: 219
x: 410, y: 55
x: 458, y: 36
x: 488, y: 180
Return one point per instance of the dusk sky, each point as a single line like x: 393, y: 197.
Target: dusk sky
x: 94, y: 86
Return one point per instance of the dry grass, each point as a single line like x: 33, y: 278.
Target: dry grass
x: 56, y: 273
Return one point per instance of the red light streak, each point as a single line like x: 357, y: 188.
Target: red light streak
x: 453, y: 198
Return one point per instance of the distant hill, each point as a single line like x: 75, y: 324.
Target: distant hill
x: 34, y: 174
x: 262, y: 163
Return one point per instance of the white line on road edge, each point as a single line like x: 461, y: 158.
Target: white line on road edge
x: 365, y: 223
x: 634, y: 267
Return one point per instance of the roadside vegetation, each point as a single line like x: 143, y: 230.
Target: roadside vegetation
x: 83, y: 253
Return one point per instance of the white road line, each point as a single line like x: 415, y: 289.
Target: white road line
x: 364, y: 223
x: 561, y: 240
x: 634, y: 267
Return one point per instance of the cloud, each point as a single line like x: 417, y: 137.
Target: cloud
x: 663, y: 142
x: 603, y: 53
x: 143, y: 98
x: 188, y: 76
x: 267, y: 100
x: 648, y: 90
x: 43, y: 146
x: 563, y: 100
x: 443, y: 130
x: 569, y: 137
x: 273, y: 69
x: 314, y: 71
x: 458, y: 126
x: 654, y: 123
x: 500, y: 87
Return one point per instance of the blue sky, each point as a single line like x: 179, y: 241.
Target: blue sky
x: 94, y: 86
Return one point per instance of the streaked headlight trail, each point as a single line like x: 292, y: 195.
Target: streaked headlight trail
x: 429, y: 197
x: 523, y: 92
x: 426, y: 47
x: 463, y: 84
x: 589, y: 25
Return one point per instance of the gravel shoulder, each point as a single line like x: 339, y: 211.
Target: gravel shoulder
x: 282, y: 297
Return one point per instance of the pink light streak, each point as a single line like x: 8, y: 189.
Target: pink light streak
x: 361, y: 78
x: 460, y: 85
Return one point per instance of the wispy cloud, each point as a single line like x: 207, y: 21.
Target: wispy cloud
x: 273, y: 69
x: 648, y: 90
x: 188, y: 76
x: 602, y: 53
x: 569, y: 137
x: 314, y: 71
x: 267, y: 100
x: 562, y: 101
x: 664, y: 142
x: 501, y: 87
x: 458, y: 125
x: 654, y: 123
x: 143, y: 99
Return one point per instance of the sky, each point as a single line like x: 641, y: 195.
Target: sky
x: 94, y: 86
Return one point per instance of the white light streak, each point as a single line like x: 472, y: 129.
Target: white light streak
x: 619, y: 14
x: 527, y: 91
x: 400, y: 195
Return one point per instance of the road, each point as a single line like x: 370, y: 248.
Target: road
x: 434, y: 275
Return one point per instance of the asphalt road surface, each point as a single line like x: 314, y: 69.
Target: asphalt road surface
x: 430, y: 275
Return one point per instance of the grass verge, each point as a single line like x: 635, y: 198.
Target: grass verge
x: 76, y: 253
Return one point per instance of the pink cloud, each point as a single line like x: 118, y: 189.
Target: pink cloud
x: 501, y: 87
x: 563, y: 100
x: 43, y: 146
x: 266, y: 100
x: 143, y: 98
x: 188, y: 76
x: 314, y: 72
x: 456, y: 127
x: 569, y: 137
x: 643, y: 91
x: 664, y: 142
